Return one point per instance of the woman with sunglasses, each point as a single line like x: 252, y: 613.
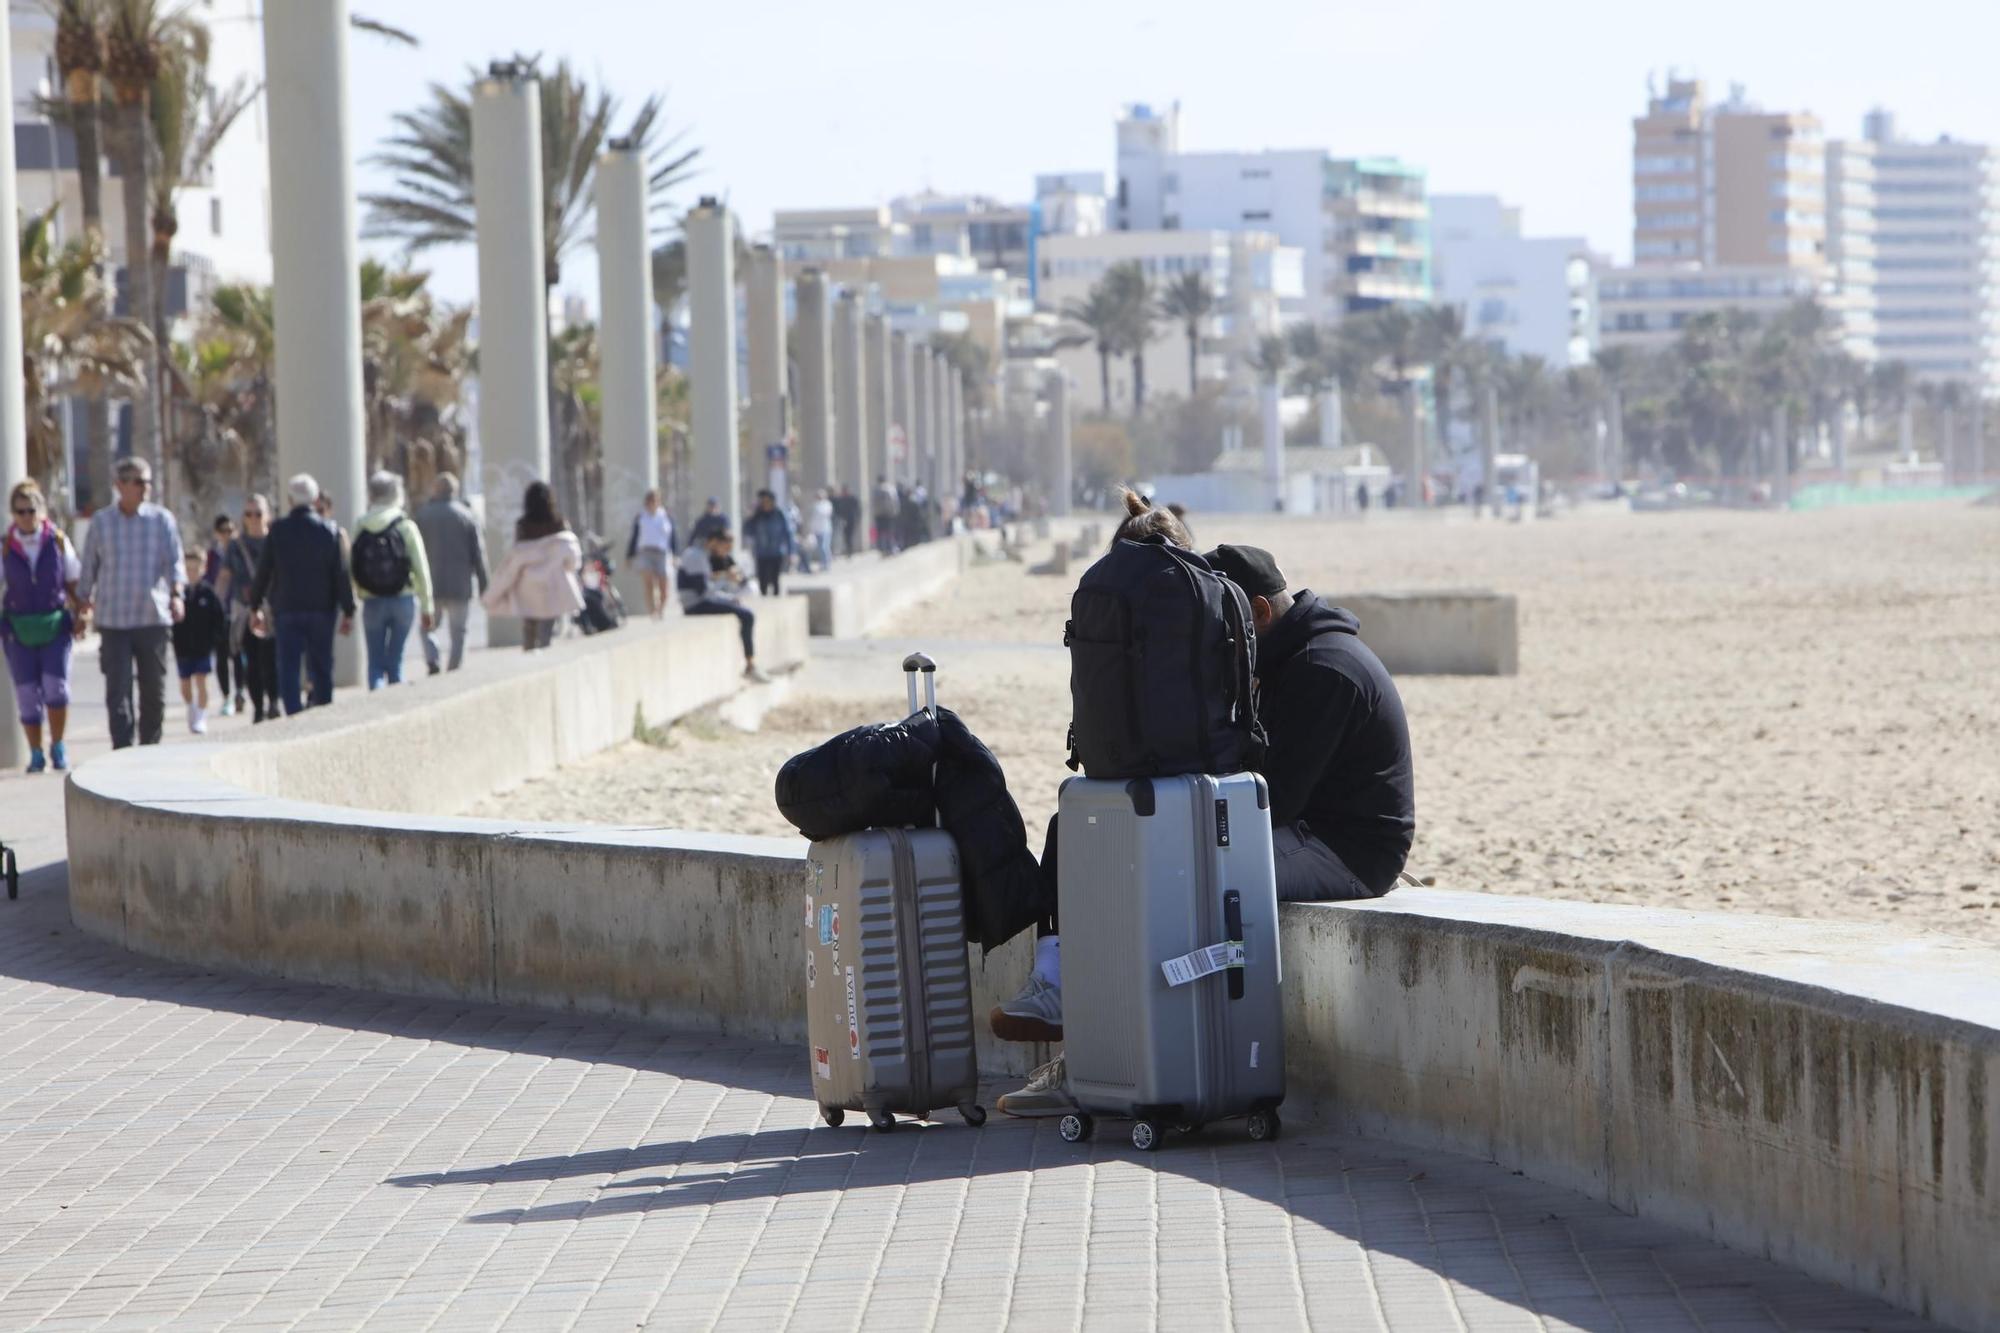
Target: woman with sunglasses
x: 39, y: 621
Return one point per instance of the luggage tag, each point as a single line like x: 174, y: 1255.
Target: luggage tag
x: 1194, y: 966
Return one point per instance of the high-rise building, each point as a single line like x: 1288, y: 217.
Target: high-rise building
x: 1937, y: 255
x: 1850, y: 240
x: 1533, y: 295
x: 1669, y: 176
x: 1362, y: 224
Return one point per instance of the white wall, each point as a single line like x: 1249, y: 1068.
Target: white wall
x: 1512, y: 287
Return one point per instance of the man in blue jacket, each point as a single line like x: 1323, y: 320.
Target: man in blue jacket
x: 769, y: 534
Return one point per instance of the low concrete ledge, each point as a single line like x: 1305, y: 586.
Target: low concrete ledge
x: 1446, y: 633
x: 856, y: 595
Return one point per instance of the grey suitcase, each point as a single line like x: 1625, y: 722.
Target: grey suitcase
x: 888, y: 990
x: 1172, y: 1012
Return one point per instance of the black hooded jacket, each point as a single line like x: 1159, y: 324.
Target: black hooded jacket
x: 1340, y: 746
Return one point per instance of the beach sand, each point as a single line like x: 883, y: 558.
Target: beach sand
x: 1795, y: 714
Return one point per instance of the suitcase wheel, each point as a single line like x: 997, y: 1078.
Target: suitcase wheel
x: 833, y: 1115
x: 1264, y: 1125
x: 1076, y: 1127
x: 1146, y: 1135
x: 884, y: 1121
x: 972, y: 1114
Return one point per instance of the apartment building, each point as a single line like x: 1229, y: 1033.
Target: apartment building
x: 1258, y: 286
x: 1850, y: 240
x: 1937, y: 255
x: 1362, y: 225
x: 1647, y: 305
x: 1533, y: 295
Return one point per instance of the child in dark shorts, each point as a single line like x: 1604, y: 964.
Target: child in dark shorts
x: 203, y: 631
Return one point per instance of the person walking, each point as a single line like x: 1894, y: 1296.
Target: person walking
x: 199, y: 638
x: 256, y: 656
x: 41, y: 619
x: 650, y: 548
x: 711, y: 521
x: 820, y: 528
x: 131, y: 584
x: 769, y: 534
x: 847, y: 512
x: 537, y: 580
x: 456, y: 550
x: 887, y: 507
x: 393, y: 577
x: 299, y: 593
x: 221, y: 533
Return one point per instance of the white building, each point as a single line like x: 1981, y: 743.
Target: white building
x: 1258, y: 286
x: 1533, y: 295
x: 1850, y: 241
x: 1937, y: 255
x: 1361, y: 224
x: 1647, y: 306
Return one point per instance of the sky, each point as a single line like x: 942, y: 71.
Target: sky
x: 805, y: 104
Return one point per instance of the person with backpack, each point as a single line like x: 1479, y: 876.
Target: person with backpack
x: 393, y: 576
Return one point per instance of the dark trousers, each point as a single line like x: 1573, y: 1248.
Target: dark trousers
x: 848, y: 533
x: 127, y: 656
x: 1309, y: 871
x: 305, y: 636
x: 768, y: 567
x: 746, y: 620
x: 257, y: 673
x: 223, y: 660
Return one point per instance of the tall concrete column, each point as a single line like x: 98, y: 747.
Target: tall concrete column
x: 1978, y: 461
x: 880, y: 395
x: 625, y: 348
x: 954, y: 430
x: 814, y: 463
x: 902, y: 415
x: 1059, y: 482
x: 1618, y: 435
x: 1420, y: 452
x: 850, y: 397
x: 921, y: 434
x: 1329, y: 417
x: 513, y: 305
x: 13, y: 399
x: 315, y: 288
x: 940, y: 422
x: 764, y: 305
x: 1489, y: 447
x: 1274, y: 447
x: 1781, y: 454
x: 712, y: 364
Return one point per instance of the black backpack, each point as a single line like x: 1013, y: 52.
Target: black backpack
x: 1162, y: 653
x: 381, y: 561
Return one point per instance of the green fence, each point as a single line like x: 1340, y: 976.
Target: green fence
x: 1833, y: 495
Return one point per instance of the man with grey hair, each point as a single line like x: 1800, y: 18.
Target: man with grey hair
x: 300, y: 590
x: 392, y: 576
x: 457, y: 552
x: 133, y: 582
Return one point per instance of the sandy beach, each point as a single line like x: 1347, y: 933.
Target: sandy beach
x: 1795, y: 714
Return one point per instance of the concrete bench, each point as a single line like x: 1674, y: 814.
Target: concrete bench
x: 855, y: 595
x: 1446, y: 633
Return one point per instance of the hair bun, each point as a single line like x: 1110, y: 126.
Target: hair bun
x: 1135, y: 503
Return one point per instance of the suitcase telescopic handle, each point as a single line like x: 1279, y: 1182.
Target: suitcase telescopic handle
x: 913, y: 664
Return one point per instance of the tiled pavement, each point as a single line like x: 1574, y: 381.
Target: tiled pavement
x: 186, y: 1149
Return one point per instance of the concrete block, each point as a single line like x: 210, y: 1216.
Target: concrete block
x: 854, y: 596
x: 1447, y: 633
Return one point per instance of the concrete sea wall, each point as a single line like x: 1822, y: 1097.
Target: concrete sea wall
x: 1824, y: 1094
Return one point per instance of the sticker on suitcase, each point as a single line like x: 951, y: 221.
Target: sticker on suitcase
x: 822, y: 1063
x: 853, y: 1021
x: 1194, y: 966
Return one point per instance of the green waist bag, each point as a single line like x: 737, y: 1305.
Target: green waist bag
x: 36, y: 629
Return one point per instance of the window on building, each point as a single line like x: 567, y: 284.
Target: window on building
x: 215, y: 217
x: 1256, y: 215
x: 1675, y: 193
x: 1663, y: 164
x: 1256, y: 173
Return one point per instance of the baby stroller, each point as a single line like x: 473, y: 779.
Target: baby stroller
x: 603, y: 608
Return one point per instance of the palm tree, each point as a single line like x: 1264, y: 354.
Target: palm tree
x: 1190, y: 300
x: 1441, y: 336
x: 1102, y: 316
x: 1136, y: 312
x: 70, y: 341
x: 1393, y: 340
x: 1889, y: 383
x: 141, y: 34
x: 1525, y: 391
x: 1270, y: 359
x: 231, y: 366
x: 80, y: 61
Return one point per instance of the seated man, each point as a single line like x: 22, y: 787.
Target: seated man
x: 711, y: 584
x: 1342, y: 809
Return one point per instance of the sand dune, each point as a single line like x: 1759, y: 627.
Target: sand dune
x: 1796, y: 714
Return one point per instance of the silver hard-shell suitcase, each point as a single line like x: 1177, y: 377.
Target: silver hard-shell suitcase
x: 1172, y: 1013
x: 888, y: 990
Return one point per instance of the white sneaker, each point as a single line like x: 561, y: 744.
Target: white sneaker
x: 197, y: 719
x: 1047, y: 1093
x: 228, y: 706
x: 1033, y: 1015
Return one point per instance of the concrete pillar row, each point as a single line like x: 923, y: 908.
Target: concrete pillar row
x: 764, y: 313
x: 902, y: 413
x: 920, y: 405
x: 814, y: 465
x: 13, y: 401
x: 850, y: 397
x: 940, y: 455
x: 513, y: 309
x: 315, y: 291
x: 1274, y: 447
x: 1060, y: 456
x: 879, y: 395
x: 717, y: 471
x: 625, y: 349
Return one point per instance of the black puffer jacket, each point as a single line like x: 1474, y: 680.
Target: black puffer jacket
x: 877, y: 776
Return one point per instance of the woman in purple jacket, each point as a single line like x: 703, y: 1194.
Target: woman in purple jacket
x: 39, y: 620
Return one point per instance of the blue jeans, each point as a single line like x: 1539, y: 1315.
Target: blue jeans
x: 305, y: 634
x: 385, y: 629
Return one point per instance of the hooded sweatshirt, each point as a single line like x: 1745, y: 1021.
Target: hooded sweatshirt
x: 1340, y: 746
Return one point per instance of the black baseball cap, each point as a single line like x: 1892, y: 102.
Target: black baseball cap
x: 1250, y: 568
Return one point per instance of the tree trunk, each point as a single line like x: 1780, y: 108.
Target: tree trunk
x: 130, y: 139
x: 1104, y: 376
x: 1194, y: 349
x: 83, y: 101
x: 1138, y: 382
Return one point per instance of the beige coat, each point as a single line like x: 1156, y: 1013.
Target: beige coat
x: 537, y: 581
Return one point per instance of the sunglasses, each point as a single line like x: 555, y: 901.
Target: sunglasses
x: 28, y: 512
x: 135, y: 481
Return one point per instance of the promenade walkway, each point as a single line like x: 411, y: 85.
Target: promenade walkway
x: 188, y: 1149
